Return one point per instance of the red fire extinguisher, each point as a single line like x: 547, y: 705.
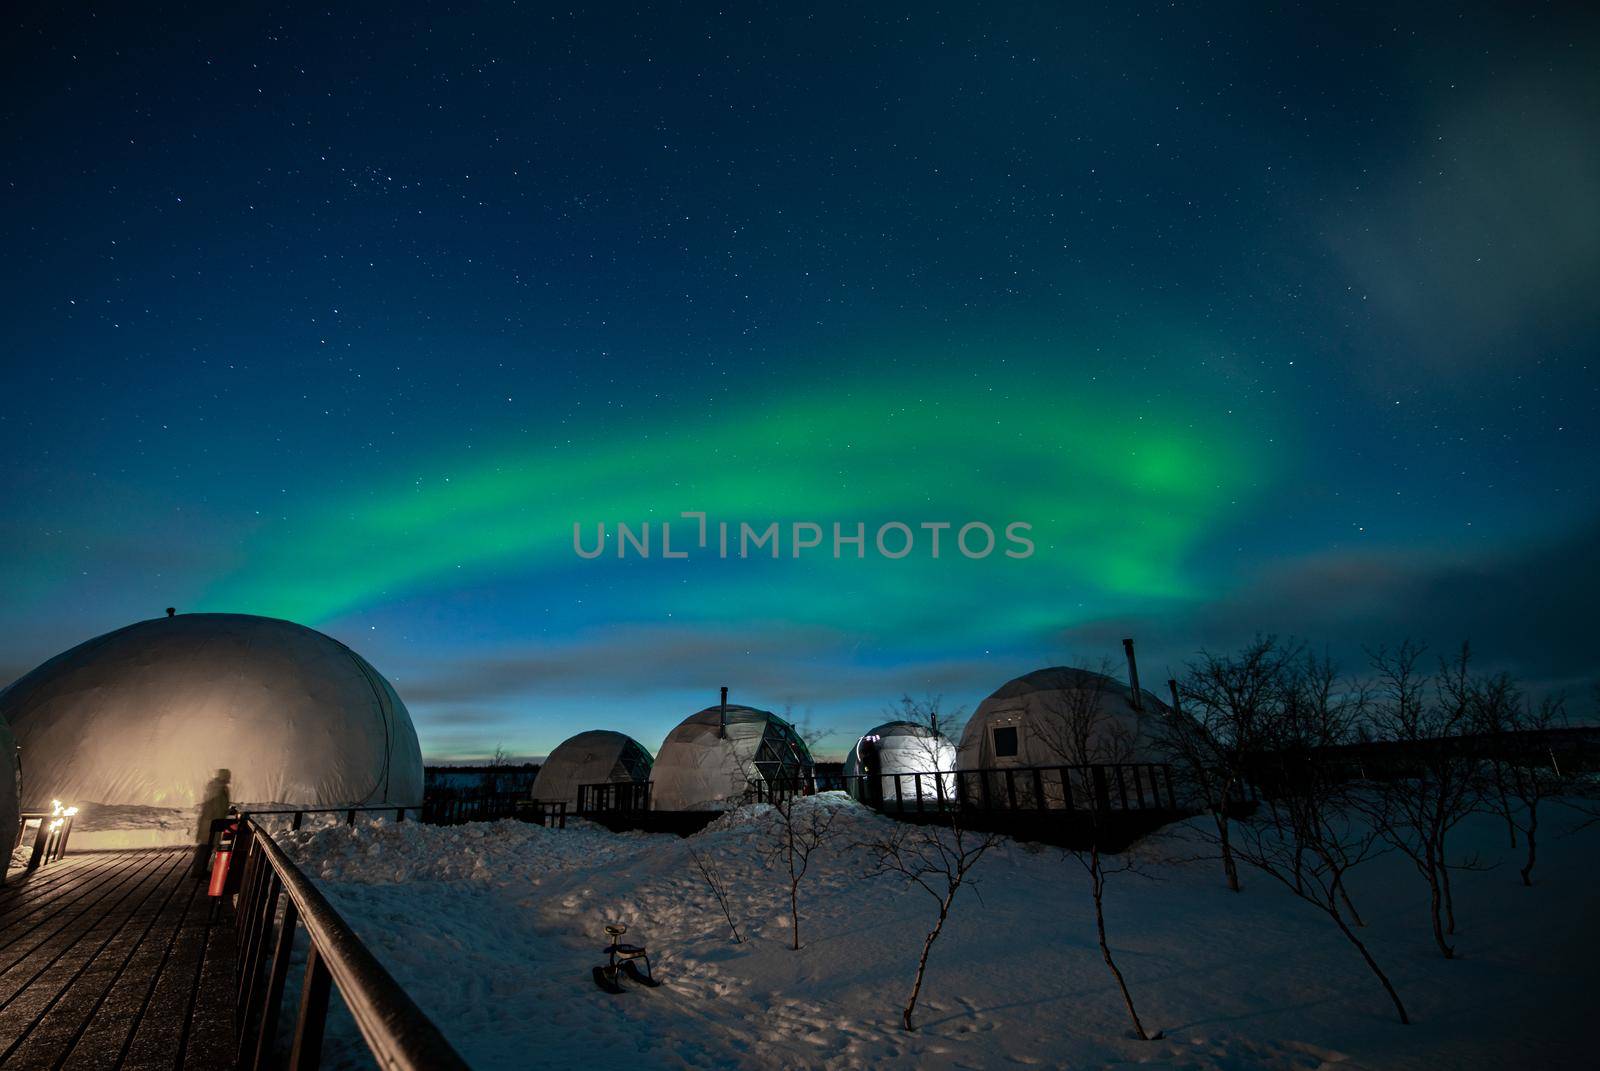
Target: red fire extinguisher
x: 221, y: 857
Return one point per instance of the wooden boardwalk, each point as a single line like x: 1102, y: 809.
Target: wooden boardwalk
x: 115, y: 960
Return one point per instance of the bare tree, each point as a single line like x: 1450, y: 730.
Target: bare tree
x: 1081, y: 731
x: 1306, y: 835
x: 719, y: 889
x: 1416, y: 807
x: 1521, y: 779
x: 1315, y: 710
x: 797, y: 828
x: 1224, y: 702
x: 937, y: 856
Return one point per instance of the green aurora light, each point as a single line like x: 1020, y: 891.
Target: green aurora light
x: 1117, y: 505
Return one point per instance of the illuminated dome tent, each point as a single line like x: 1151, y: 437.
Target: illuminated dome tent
x: 883, y: 761
x: 1034, y: 720
x: 10, y: 795
x: 712, y: 758
x: 588, y: 759
x: 167, y: 715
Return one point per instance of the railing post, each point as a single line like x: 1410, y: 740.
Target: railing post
x: 249, y: 885
x: 294, y: 822
x: 899, y: 796
x: 1065, y: 773
x: 1038, y: 790
x: 1011, y: 788
x: 352, y: 816
x: 1122, y: 787
x: 281, y: 952
x: 38, y: 844
x: 1102, y: 794
x: 1172, y: 802
x: 305, y: 1054
x: 262, y: 911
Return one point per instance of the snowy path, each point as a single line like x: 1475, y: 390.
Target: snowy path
x: 493, y: 929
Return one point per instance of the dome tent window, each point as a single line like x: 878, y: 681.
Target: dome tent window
x: 1005, y: 742
x: 136, y: 724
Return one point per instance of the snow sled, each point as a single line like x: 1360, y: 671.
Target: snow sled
x: 604, y: 979
x: 623, y: 960
x: 608, y: 977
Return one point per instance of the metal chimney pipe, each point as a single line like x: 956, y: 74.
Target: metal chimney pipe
x: 722, y: 717
x: 1133, y: 674
x: 1172, y: 686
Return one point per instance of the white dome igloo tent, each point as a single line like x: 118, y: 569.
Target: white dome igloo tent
x: 597, y: 756
x: 1055, y: 717
x: 10, y: 796
x: 710, y: 761
x: 142, y: 726
x: 882, y: 769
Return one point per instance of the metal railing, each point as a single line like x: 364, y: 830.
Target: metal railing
x: 1095, y: 787
x: 50, y: 842
x: 453, y: 810
x: 398, y: 1034
x: 297, y: 815
x: 614, y: 797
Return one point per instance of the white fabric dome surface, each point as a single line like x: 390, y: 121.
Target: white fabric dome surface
x: 10, y: 795
x: 149, y: 716
x: 1029, y: 722
x: 1042, y: 704
x: 896, y: 750
x: 703, y: 766
x: 588, y: 759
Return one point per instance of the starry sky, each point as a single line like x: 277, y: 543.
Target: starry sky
x: 1264, y: 320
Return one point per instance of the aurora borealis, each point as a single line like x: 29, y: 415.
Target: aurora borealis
x: 1274, y: 322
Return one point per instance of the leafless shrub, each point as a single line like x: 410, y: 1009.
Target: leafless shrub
x: 1518, y: 780
x: 1306, y: 835
x: 937, y: 857
x: 719, y: 889
x: 1224, y: 704
x: 1081, y: 732
x: 1415, y: 808
x: 796, y: 831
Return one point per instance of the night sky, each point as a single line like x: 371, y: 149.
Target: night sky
x: 1265, y: 320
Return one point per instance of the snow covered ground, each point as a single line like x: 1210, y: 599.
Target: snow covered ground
x: 493, y: 928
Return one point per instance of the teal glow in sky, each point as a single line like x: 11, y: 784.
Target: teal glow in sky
x: 1279, y: 323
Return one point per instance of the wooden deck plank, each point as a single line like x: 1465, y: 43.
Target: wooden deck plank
x: 63, y: 1022
x: 31, y: 882
x: 103, y: 1010
x: 114, y: 983
x: 36, y: 986
x: 19, y: 916
x: 58, y: 933
x: 211, y: 1041
x: 159, y: 1038
x: 47, y: 983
